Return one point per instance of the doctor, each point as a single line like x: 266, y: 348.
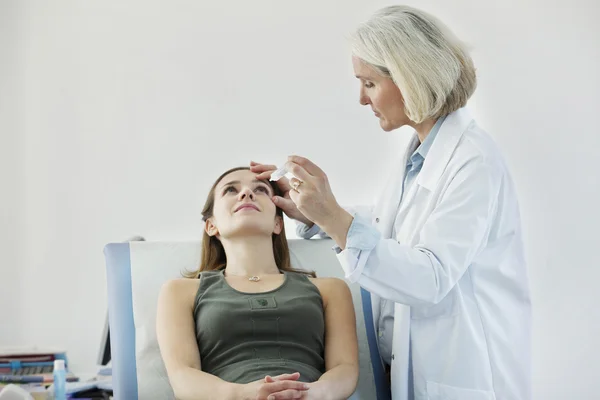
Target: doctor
x: 441, y: 252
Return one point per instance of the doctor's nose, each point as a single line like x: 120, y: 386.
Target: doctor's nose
x: 363, y: 99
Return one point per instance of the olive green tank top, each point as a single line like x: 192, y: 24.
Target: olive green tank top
x: 242, y: 337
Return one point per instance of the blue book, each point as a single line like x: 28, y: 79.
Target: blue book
x: 23, y: 379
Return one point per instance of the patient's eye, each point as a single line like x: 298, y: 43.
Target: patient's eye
x: 369, y: 85
x: 229, y: 189
x: 262, y: 189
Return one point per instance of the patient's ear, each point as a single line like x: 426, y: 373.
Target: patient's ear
x: 210, y: 228
x: 278, y: 225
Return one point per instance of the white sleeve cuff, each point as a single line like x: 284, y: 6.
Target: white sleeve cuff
x: 353, y: 262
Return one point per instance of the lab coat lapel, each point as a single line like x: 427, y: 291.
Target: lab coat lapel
x: 443, y: 147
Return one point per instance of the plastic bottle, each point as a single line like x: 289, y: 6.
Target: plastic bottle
x: 60, y: 380
x: 279, y: 173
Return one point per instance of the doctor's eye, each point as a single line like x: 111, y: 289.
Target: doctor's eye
x: 369, y: 85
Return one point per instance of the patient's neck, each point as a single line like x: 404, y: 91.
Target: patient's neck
x: 249, y: 256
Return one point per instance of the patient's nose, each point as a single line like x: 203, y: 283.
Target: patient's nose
x: 246, y: 192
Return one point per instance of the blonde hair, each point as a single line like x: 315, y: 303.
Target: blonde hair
x: 430, y: 66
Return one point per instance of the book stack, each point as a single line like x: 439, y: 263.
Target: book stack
x: 30, y: 368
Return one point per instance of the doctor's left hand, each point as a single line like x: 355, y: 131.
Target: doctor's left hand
x: 311, y: 191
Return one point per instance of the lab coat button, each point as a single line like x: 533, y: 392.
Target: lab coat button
x: 377, y: 220
x: 393, y: 357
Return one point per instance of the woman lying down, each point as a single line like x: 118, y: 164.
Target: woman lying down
x: 246, y: 325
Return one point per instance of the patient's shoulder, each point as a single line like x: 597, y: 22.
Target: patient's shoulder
x: 331, y: 288
x: 180, y: 289
x: 328, y: 282
x: 180, y: 283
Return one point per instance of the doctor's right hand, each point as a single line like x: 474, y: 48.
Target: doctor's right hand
x: 264, y: 171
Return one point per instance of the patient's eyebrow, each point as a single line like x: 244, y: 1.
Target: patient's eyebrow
x: 230, y: 183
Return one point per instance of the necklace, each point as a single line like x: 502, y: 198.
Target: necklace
x: 253, y: 278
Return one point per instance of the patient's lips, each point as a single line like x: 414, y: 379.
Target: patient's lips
x: 247, y: 207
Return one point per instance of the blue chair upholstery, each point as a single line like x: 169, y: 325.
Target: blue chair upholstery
x: 120, y: 321
x: 309, y: 254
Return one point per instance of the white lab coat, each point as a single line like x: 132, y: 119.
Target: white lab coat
x: 456, y: 270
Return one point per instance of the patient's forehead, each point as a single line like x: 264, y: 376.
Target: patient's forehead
x: 242, y: 176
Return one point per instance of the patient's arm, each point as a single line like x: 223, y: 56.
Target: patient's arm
x: 341, y: 344
x: 177, y: 341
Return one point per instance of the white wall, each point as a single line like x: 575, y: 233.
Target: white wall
x: 11, y: 177
x: 120, y: 115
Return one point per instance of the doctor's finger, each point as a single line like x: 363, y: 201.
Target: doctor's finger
x: 295, y: 184
x: 308, y: 165
x: 264, y: 175
x: 282, y: 183
x: 261, y: 166
x: 295, y: 197
x: 298, y: 171
x: 257, y: 167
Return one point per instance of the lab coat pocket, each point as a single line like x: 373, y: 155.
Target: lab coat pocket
x: 447, y: 307
x: 438, y: 391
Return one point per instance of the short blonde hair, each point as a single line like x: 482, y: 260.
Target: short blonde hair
x: 430, y: 66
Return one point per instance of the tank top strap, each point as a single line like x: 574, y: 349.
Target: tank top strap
x: 208, y: 279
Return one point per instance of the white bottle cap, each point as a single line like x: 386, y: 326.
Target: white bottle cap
x: 59, y: 365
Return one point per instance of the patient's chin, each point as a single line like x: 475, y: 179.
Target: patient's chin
x: 250, y: 229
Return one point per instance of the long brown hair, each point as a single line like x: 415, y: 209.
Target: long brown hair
x: 213, y: 254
